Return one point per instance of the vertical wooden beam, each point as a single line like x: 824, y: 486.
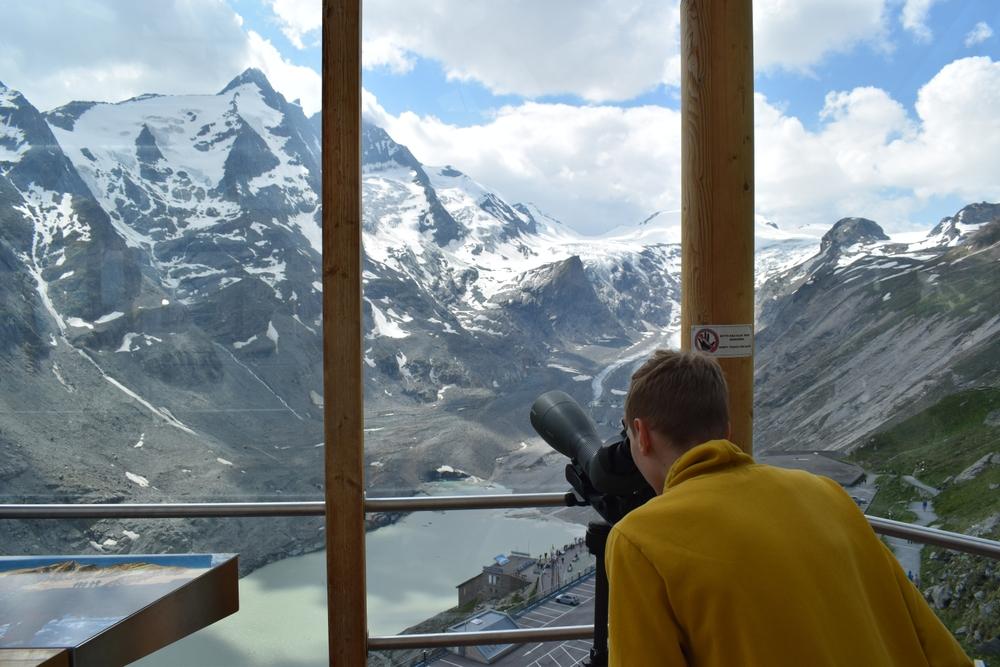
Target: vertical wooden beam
x: 342, y: 374
x: 717, y: 186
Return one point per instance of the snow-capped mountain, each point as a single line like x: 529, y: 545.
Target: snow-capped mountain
x: 502, y: 287
x: 164, y: 284
x: 161, y: 264
x: 870, y: 329
x: 115, y: 240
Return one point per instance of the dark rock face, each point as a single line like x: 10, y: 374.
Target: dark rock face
x: 256, y: 78
x: 559, y: 300
x: 21, y: 327
x: 248, y: 158
x: 43, y: 164
x: 515, y: 224
x: 950, y: 229
x: 848, y: 231
x: 66, y: 115
x: 378, y: 149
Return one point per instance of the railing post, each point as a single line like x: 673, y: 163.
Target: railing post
x: 717, y: 186
x: 342, y: 374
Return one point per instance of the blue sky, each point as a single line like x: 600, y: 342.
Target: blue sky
x: 573, y: 104
x: 901, y: 70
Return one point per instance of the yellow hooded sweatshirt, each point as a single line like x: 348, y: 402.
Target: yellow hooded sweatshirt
x: 739, y: 564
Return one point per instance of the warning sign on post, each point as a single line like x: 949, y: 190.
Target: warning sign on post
x: 723, y: 340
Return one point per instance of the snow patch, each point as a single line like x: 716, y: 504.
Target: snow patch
x: 240, y: 344
x: 110, y: 317
x: 138, y: 479
x: 272, y: 333
x: 62, y: 380
x: 383, y: 325
x: 143, y: 340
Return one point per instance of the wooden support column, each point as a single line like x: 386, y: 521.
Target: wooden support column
x: 717, y: 186
x: 343, y: 409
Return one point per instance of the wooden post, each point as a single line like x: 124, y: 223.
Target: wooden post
x: 342, y: 374
x: 717, y: 187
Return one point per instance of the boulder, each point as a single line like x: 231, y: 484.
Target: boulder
x: 939, y: 595
x: 978, y: 467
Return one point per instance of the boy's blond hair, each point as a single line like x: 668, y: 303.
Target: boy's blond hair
x: 682, y: 395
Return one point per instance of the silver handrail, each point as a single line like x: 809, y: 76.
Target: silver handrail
x: 942, y: 538
x: 272, y: 509
x: 160, y: 510
x: 443, y: 639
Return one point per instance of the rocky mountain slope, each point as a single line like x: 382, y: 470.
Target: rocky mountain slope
x: 160, y: 308
x: 869, y: 331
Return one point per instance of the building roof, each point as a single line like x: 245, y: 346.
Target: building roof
x: 489, y: 619
x: 514, y: 564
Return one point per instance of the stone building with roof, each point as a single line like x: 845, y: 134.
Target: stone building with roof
x: 504, y: 576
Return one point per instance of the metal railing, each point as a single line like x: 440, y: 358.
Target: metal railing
x: 942, y: 538
x: 443, y: 639
x: 273, y: 509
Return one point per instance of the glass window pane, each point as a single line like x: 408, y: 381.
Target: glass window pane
x: 515, y: 242
x: 877, y: 227
x: 160, y: 294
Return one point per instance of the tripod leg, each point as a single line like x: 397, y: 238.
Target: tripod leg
x: 597, y: 539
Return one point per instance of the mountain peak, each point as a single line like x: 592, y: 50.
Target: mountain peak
x: 250, y: 75
x: 254, y: 76
x: 848, y: 231
x: 65, y: 117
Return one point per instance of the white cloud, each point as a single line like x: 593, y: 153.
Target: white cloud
x: 299, y: 19
x: 602, y: 166
x: 796, y: 34
x: 869, y: 157
x: 914, y: 18
x: 600, y: 50
x: 979, y: 34
x: 110, y: 50
x: 294, y: 81
x: 383, y: 51
x: 596, y: 167
x: 957, y: 149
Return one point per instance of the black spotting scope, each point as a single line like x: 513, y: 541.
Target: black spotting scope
x: 602, y: 473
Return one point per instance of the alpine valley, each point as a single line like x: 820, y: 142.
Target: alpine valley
x: 160, y: 311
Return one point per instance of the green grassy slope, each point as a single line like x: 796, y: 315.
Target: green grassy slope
x: 936, y: 445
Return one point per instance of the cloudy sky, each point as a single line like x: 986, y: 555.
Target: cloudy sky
x: 881, y: 108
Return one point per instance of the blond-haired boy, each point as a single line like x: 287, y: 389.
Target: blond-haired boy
x: 735, y: 563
